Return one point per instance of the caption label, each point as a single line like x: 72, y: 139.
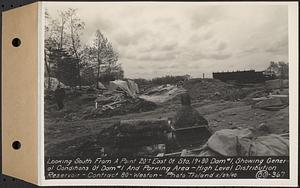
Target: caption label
x: 168, y: 168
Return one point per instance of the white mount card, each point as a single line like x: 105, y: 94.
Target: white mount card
x: 151, y: 93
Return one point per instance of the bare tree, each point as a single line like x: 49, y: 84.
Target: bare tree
x: 63, y: 33
x: 100, y: 45
x: 97, y: 52
x: 63, y: 36
x: 112, y: 58
x: 63, y: 20
x: 76, y: 27
x: 103, y: 55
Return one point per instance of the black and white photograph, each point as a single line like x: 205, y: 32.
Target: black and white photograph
x: 165, y: 80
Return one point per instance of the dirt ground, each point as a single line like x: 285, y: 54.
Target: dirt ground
x: 71, y: 138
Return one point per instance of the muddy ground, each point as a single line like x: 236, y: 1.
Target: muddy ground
x: 65, y: 138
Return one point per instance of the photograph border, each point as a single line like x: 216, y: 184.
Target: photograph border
x: 293, y: 118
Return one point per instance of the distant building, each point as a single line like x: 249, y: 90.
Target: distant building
x: 250, y: 76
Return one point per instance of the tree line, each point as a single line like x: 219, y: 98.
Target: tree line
x: 72, y: 62
x: 278, y: 69
x: 168, y: 79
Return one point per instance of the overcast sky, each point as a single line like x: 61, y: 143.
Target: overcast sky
x: 160, y: 39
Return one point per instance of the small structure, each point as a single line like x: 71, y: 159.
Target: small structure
x: 250, y: 76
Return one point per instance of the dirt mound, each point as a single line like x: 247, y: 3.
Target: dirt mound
x: 215, y: 89
x: 163, y: 93
x: 272, y: 103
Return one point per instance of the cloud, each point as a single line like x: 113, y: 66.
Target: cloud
x: 212, y: 49
x: 207, y: 36
x: 165, y: 20
x: 148, y: 48
x: 169, y: 47
x: 222, y: 46
x: 103, y: 24
x: 154, y: 47
x: 129, y: 56
x: 279, y: 47
x: 155, y: 39
x: 205, y: 16
x: 247, y: 51
x: 214, y: 56
x: 201, y: 37
x: 125, y: 38
x: 219, y: 56
x: 168, y: 56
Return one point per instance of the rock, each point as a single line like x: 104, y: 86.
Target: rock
x: 270, y: 104
x: 263, y: 127
x: 184, y: 152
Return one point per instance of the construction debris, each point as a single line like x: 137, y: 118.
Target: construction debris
x: 121, y: 98
x: 163, y: 93
x: 114, y: 106
x: 150, y: 136
x: 100, y: 86
x: 242, y: 142
x: 128, y: 87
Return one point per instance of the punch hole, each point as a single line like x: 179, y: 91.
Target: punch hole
x: 16, y: 42
x: 16, y: 145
